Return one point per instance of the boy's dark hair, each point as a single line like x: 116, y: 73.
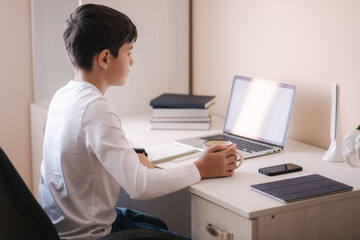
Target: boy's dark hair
x: 93, y: 28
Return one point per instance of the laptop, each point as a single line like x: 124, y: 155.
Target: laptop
x: 257, y: 117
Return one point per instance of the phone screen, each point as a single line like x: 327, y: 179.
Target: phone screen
x: 280, y: 169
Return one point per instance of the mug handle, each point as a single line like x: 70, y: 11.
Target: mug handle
x: 240, y: 160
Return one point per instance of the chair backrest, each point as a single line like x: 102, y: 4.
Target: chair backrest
x: 21, y: 216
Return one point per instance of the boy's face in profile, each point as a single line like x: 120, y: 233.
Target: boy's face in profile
x: 119, y: 68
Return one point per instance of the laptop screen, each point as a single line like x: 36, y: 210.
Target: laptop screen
x: 260, y: 110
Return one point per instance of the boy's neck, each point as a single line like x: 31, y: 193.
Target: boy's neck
x: 91, y: 77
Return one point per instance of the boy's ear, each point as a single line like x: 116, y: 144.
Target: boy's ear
x: 103, y: 58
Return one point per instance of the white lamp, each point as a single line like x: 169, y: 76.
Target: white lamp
x: 334, y: 153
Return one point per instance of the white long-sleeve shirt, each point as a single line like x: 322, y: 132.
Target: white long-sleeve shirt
x: 87, y: 158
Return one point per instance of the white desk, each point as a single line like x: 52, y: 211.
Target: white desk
x: 230, y: 204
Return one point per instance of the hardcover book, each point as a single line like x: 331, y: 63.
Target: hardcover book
x: 180, y: 125
x: 170, y: 100
x: 180, y: 119
x: 180, y: 112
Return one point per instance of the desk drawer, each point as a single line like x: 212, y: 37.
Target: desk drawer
x: 204, y: 213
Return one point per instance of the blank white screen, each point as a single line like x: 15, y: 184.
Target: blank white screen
x: 260, y: 109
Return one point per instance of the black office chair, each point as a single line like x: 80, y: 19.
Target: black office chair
x: 21, y: 216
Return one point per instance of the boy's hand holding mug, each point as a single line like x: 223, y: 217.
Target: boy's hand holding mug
x: 220, y: 159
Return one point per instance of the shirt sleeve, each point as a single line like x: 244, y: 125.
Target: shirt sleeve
x: 104, y: 138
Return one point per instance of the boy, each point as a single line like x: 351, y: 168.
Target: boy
x: 86, y: 156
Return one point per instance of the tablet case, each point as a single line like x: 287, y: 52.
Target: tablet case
x: 301, y: 188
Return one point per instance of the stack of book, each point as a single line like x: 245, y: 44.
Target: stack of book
x: 181, y: 111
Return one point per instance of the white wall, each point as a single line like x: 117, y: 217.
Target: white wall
x: 161, y: 52
x: 304, y: 42
x: 16, y: 84
x: 51, y: 66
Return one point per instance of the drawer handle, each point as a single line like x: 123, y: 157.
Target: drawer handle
x: 218, y: 233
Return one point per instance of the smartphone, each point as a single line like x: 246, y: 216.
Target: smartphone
x: 280, y: 169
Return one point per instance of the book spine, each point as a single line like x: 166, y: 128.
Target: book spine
x: 180, y: 126
x: 179, y: 105
x: 180, y: 112
x: 180, y: 119
x: 182, y: 101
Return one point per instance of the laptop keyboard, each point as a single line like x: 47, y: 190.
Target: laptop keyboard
x: 241, y: 144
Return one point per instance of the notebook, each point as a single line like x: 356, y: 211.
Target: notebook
x: 257, y: 117
x: 301, y: 188
x: 168, y: 152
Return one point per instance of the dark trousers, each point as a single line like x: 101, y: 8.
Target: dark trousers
x: 131, y: 219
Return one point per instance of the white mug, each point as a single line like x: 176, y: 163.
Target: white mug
x: 210, y: 143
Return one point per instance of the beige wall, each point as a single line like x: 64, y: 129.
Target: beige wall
x: 304, y: 42
x: 16, y: 84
